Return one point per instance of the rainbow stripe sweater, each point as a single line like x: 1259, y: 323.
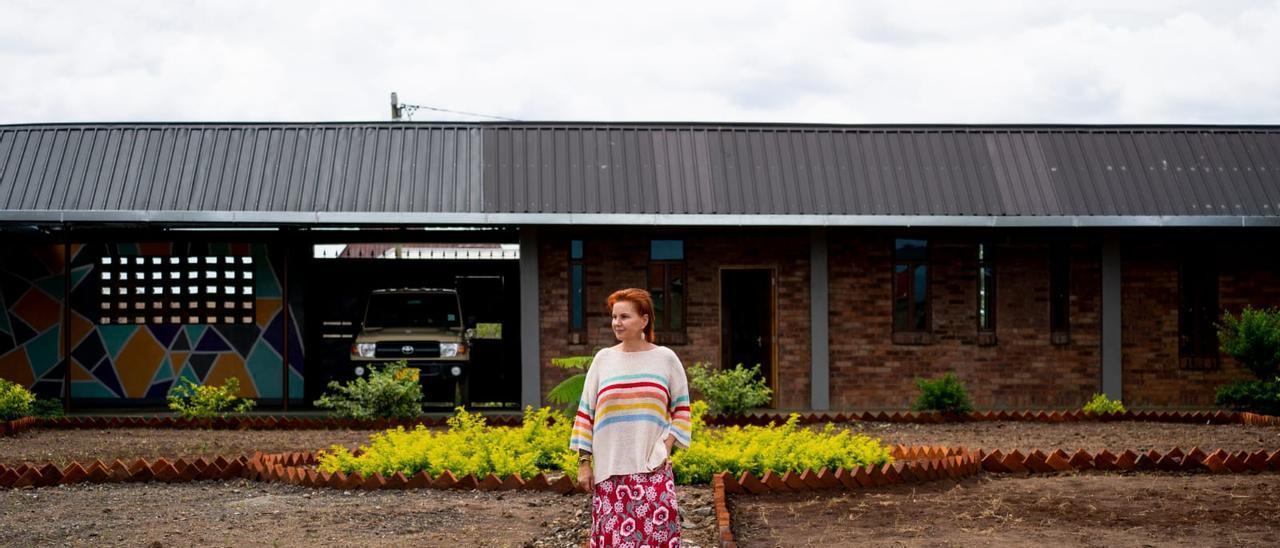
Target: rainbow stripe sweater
x: 630, y: 402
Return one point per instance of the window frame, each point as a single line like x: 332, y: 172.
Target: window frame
x: 577, y: 296
x: 986, y: 293
x: 911, y: 335
x: 662, y: 330
x: 1196, y: 267
x: 1060, y: 293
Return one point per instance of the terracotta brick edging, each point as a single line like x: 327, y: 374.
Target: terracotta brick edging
x: 932, y: 417
x: 138, y: 470
x: 18, y: 426
x: 255, y: 423
x: 290, y: 423
x: 1175, y: 460
x: 723, y: 523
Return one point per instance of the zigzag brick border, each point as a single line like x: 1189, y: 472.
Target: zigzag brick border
x: 911, y: 465
x: 289, y: 423
x: 930, y: 417
x: 723, y: 523
x: 1175, y: 460
x: 138, y: 470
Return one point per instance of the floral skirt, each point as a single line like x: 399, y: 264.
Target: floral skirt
x: 636, y: 510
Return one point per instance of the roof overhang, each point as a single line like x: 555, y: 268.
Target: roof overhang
x: 294, y: 218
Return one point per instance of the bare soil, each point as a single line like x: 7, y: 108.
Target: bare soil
x: 1004, y: 510
x: 1090, y: 436
x: 249, y: 513
x: 243, y: 513
x: 63, y: 446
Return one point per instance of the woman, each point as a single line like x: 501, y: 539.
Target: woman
x: 634, y: 408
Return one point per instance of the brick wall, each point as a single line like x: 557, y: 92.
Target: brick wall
x: 1152, y: 376
x: 618, y: 258
x: 1023, y: 369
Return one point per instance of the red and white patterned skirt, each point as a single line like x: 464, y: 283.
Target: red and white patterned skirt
x: 635, y: 510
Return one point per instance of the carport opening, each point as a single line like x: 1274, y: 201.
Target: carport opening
x: 341, y: 279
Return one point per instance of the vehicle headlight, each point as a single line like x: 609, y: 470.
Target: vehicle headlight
x: 364, y: 350
x: 449, y: 350
x: 359, y: 371
x: 455, y: 371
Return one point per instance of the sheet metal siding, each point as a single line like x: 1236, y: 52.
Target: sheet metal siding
x: 642, y: 169
x: 674, y: 170
x: 241, y: 168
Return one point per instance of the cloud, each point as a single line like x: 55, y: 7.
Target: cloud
x: 824, y: 62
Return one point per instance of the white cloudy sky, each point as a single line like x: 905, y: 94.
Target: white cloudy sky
x: 1083, y: 61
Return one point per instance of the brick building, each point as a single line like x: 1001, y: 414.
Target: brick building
x: 1040, y: 264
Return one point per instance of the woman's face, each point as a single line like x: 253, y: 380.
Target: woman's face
x: 628, y: 324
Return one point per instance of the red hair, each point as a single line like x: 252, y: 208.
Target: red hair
x: 643, y: 303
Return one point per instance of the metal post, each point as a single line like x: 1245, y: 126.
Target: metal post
x: 819, y: 359
x: 66, y: 318
x: 284, y: 314
x: 1112, y: 357
x: 530, y: 350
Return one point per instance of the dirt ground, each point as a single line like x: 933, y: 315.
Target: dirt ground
x: 1003, y: 510
x: 243, y: 513
x: 1090, y: 436
x: 250, y: 513
x: 62, y: 446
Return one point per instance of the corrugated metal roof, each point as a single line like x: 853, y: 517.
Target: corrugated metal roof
x: 901, y: 171
x: 504, y: 170
x: 347, y: 168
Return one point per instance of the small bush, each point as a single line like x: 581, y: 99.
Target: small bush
x: 757, y: 449
x: 193, y: 401
x: 48, y: 408
x: 1101, y: 405
x: 469, y: 446
x: 569, y: 391
x: 1252, y: 396
x: 730, y: 391
x: 389, y: 391
x: 15, y: 401
x: 1253, y: 339
x: 945, y: 394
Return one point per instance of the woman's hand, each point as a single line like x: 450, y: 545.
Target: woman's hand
x: 584, y: 476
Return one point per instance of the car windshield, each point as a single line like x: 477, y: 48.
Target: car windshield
x: 412, y: 310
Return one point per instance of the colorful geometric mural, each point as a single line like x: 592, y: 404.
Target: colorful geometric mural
x: 136, y: 361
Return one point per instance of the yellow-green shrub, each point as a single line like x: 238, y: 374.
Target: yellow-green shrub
x: 1102, y: 405
x: 779, y: 448
x: 469, y: 446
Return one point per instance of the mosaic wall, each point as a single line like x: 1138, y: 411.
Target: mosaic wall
x: 136, y: 361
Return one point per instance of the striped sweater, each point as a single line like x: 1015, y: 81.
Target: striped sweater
x: 631, y: 402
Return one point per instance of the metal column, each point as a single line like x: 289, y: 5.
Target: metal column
x: 1112, y: 363
x: 819, y: 359
x: 284, y: 313
x: 530, y: 350
x: 66, y: 318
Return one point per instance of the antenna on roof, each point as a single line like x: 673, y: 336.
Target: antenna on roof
x: 398, y: 111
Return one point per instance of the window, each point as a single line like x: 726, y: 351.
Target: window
x: 667, y: 287
x: 155, y: 290
x: 911, y: 291
x: 1059, y: 294
x: 577, y: 294
x: 986, y: 294
x: 1197, y: 311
